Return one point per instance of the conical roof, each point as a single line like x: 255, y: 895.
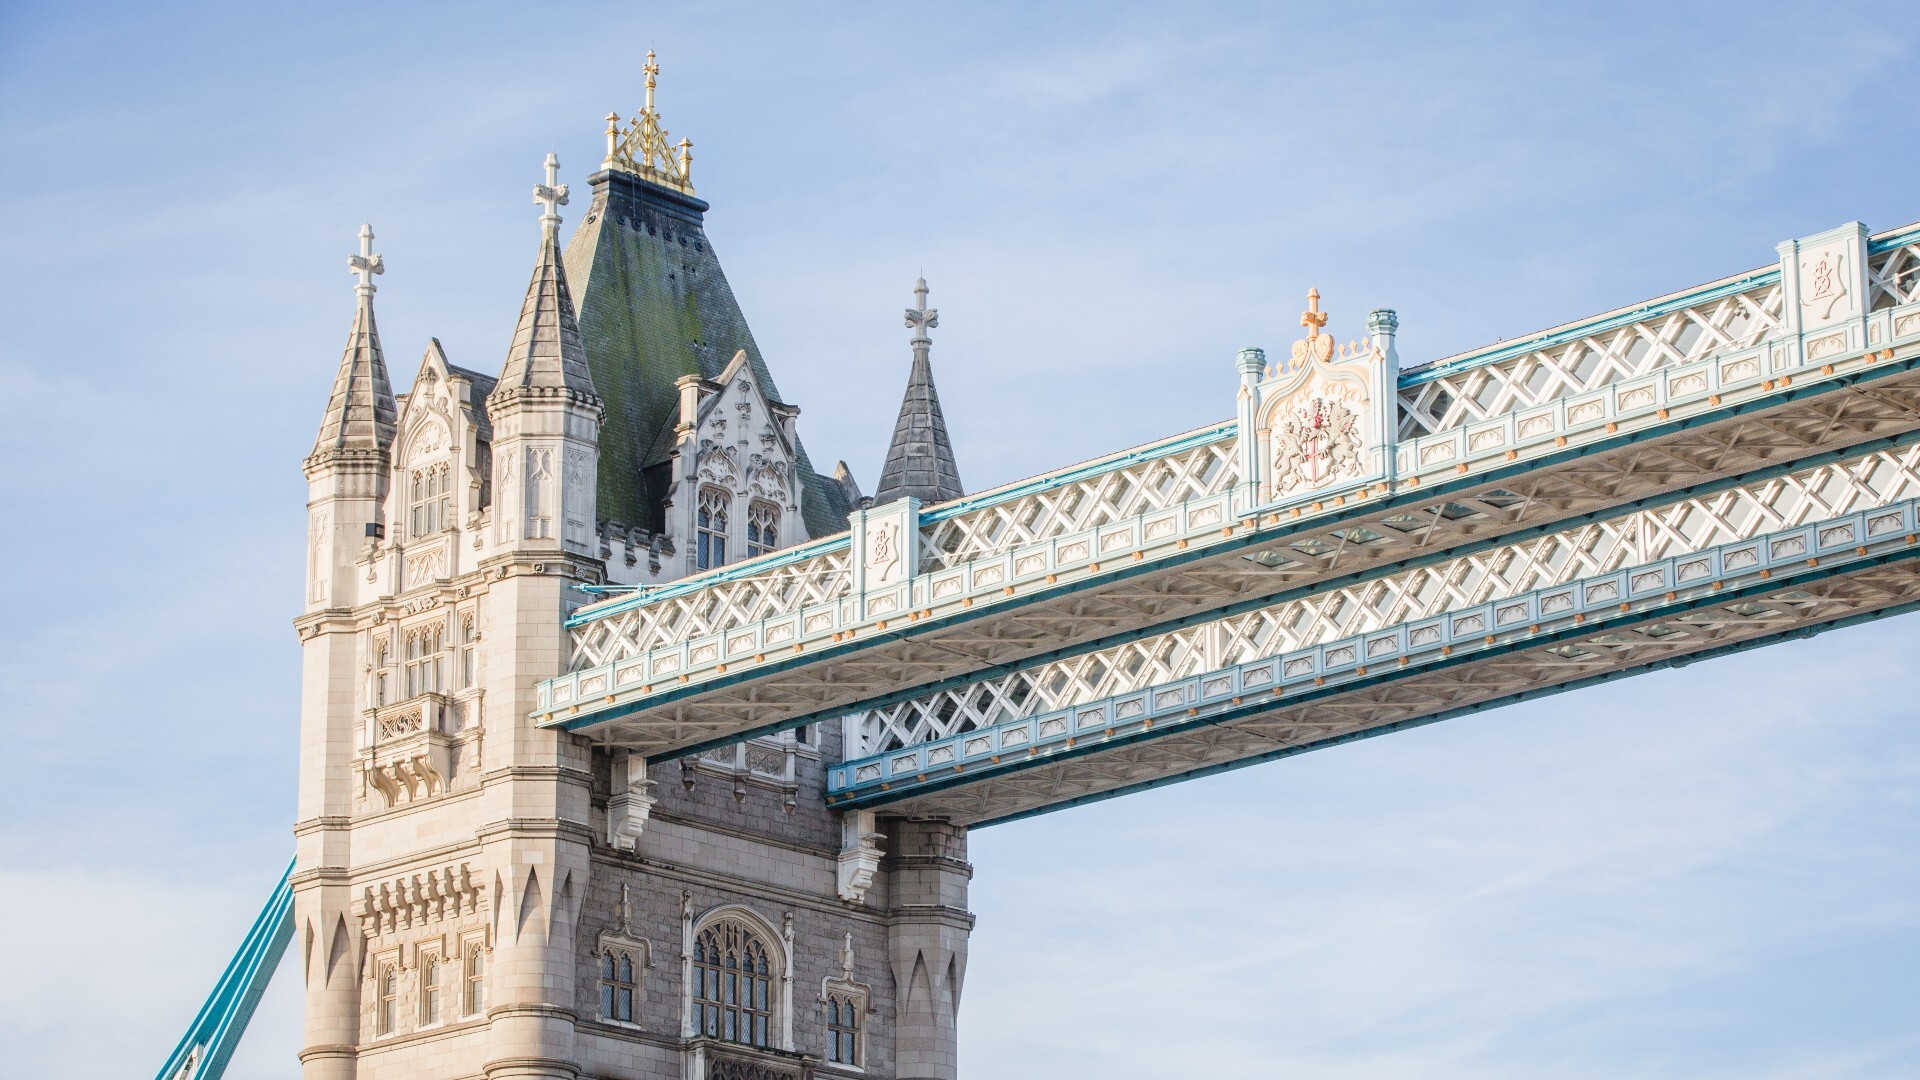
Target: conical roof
x: 360, y: 412
x: 920, y: 459
x: 546, y: 353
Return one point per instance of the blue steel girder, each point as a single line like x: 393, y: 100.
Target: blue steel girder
x: 1773, y: 587
x: 216, y: 1029
x: 1733, y: 431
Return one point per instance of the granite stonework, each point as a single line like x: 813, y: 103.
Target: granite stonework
x: 462, y: 873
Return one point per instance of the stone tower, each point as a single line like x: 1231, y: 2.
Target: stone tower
x: 478, y: 896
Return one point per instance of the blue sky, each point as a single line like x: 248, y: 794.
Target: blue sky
x: 1703, y: 873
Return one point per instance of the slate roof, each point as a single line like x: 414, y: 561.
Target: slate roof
x: 655, y: 306
x: 360, y: 412
x: 546, y: 353
x: 920, y: 459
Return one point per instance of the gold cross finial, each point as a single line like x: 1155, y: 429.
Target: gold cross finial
x: 653, y: 71
x: 1313, y: 318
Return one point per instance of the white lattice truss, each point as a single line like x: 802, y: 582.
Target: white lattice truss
x: 1662, y: 532
x: 1257, y: 727
x: 1375, y: 539
x: 1720, y: 318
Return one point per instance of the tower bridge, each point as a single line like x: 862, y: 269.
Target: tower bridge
x: 493, y: 876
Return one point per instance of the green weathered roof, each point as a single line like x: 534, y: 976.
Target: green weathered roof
x: 654, y: 306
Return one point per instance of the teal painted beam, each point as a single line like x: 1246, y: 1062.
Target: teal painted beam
x: 210, y: 1040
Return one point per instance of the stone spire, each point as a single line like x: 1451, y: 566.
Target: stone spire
x: 920, y: 461
x: 546, y: 357
x: 360, y: 413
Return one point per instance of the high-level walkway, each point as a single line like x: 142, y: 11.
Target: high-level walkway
x: 1160, y: 613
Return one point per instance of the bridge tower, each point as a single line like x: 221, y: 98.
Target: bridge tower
x: 477, y: 895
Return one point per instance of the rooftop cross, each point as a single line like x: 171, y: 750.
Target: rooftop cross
x: 653, y: 73
x: 920, y: 317
x: 366, y: 264
x: 552, y: 195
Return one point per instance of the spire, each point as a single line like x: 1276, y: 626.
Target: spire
x: 546, y: 354
x: 644, y: 148
x: 360, y: 412
x: 920, y: 461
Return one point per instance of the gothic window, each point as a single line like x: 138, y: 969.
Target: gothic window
x: 389, y: 999
x: 466, y: 650
x: 424, y: 659
x: 429, y: 500
x: 732, y: 984
x: 616, y: 985
x: 430, y: 988
x: 843, y: 1028
x: 381, y: 658
x: 474, y: 976
x: 763, y: 528
x: 710, y: 527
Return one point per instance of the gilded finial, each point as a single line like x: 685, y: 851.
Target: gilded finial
x: 644, y: 149
x: 1316, y: 345
x: 1313, y: 318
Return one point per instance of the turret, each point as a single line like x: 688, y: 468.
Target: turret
x: 545, y: 413
x: 347, y: 471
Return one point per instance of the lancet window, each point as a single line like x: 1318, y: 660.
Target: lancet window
x: 710, y: 527
x: 382, y: 679
x: 733, y: 982
x: 424, y: 659
x: 474, y: 977
x: 430, y: 988
x: 388, y: 1007
x: 467, y: 638
x: 429, y: 500
x: 763, y: 528
x: 616, y: 985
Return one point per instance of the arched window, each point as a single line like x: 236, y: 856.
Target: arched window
x: 389, y: 998
x: 763, y: 528
x: 732, y: 998
x: 429, y: 500
x: 466, y: 650
x: 710, y: 525
x: 843, y: 1028
x: 424, y: 660
x: 381, y: 658
x: 430, y: 989
x: 476, y: 979
x: 616, y: 985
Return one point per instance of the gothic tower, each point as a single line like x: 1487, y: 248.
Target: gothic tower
x: 479, y: 896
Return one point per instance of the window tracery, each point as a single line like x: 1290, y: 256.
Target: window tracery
x: 430, y: 988
x: 733, y: 984
x: 843, y: 1027
x: 617, y: 985
x: 710, y: 528
x: 424, y: 659
x: 763, y: 528
x: 429, y: 500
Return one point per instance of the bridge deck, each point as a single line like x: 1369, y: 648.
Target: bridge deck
x: 1779, y: 584
x: 1576, y: 421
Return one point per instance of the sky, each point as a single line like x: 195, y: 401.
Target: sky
x: 1698, y: 873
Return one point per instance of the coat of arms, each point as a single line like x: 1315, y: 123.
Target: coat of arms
x: 1317, y: 443
x: 1313, y: 422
